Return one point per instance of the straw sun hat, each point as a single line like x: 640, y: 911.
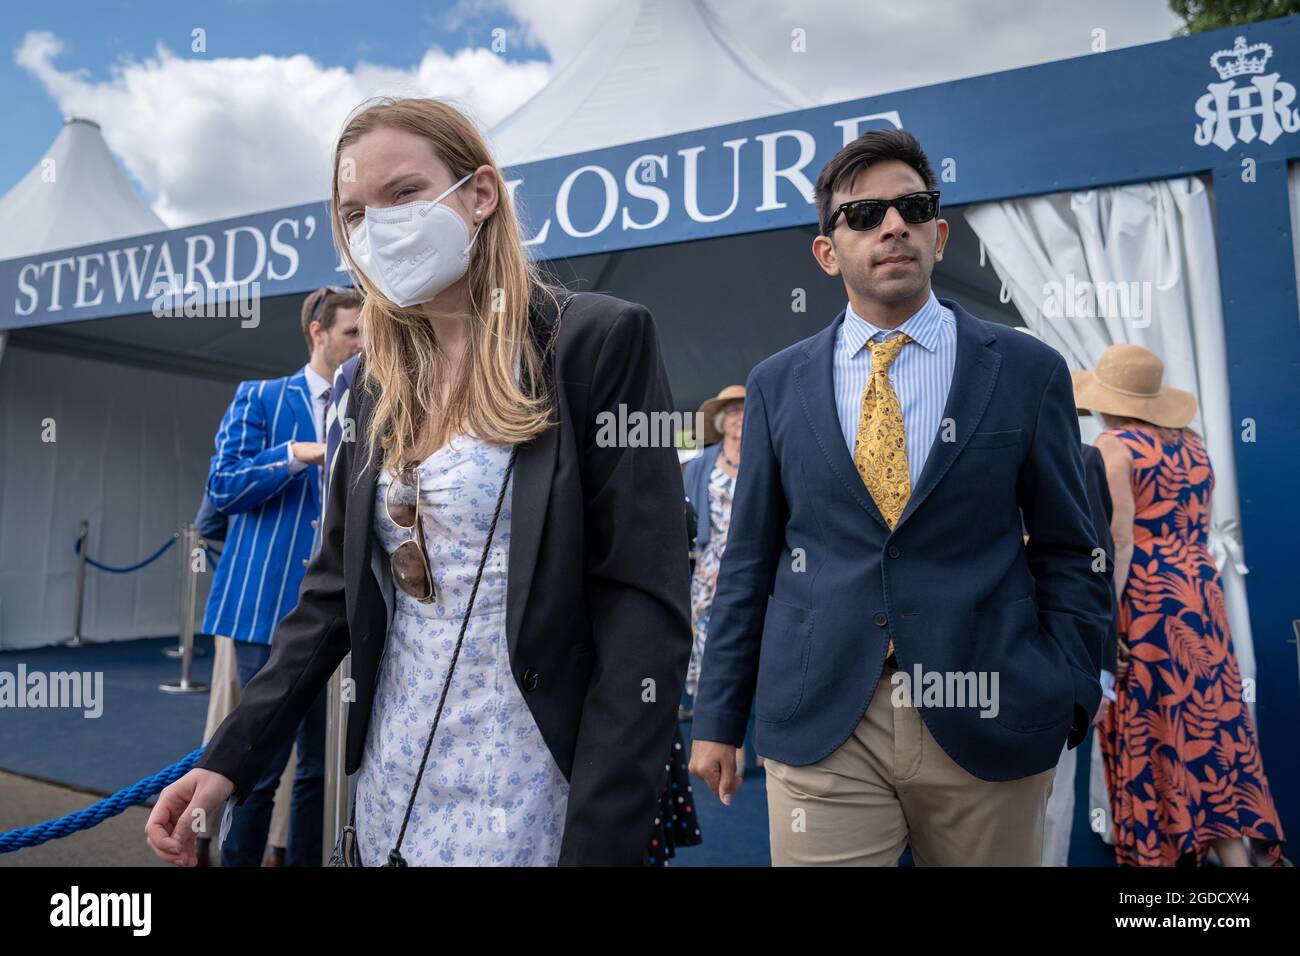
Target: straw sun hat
x: 1127, y: 382
x: 712, y: 406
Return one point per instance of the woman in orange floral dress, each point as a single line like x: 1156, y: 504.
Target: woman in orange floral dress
x: 1181, y: 758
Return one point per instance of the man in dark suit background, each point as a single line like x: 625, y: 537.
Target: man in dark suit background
x: 266, y: 478
x: 915, y: 665
x: 1058, y: 824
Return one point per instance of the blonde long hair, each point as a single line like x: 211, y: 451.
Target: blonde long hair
x: 404, y: 364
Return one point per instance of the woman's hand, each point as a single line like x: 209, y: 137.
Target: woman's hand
x: 184, y: 810
x: 1121, y: 660
x: 1102, y: 710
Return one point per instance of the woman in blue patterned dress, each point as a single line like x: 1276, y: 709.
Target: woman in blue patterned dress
x: 512, y: 587
x: 491, y: 794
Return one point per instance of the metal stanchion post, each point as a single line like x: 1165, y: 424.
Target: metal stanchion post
x: 337, y: 788
x: 179, y: 649
x: 83, y: 545
x: 189, y: 598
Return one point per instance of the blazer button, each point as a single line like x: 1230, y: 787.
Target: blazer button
x: 881, y: 619
x: 305, y: 562
x: 315, y: 522
x: 893, y: 550
x: 531, y: 679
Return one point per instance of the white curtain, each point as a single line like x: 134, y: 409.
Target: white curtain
x: 1155, y: 240
x: 125, y: 448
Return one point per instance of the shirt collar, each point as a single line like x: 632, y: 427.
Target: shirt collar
x: 315, y: 383
x: 922, y: 326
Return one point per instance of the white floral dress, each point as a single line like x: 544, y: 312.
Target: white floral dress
x: 492, y: 794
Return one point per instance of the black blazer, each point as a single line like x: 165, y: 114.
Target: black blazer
x: 1100, y: 509
x: 597, y: 607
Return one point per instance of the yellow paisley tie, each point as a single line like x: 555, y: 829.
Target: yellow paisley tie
x: 881, y: 451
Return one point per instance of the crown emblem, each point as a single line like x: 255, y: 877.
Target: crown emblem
x: 1241, y: 60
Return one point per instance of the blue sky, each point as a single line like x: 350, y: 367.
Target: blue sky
x: 101, y: 33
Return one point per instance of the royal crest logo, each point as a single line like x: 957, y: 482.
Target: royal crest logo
x: 1265, y: 97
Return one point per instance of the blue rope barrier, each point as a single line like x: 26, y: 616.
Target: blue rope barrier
x: 134, y: 567
x: 99, y: 812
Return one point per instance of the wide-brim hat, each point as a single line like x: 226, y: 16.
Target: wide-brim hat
x: 1128, y: 382
x: 712, y: 406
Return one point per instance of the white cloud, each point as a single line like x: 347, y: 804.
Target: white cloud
x: 211, y: 137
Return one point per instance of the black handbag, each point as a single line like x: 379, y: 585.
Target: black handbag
x: 345, y: 850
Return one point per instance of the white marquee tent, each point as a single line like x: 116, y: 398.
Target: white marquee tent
x: 77, y: 194
x: 124, y: 448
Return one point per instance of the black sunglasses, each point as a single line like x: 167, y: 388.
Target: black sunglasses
x: 320, y: 303
x: 864, y: 214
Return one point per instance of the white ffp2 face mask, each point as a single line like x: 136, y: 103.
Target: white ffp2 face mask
x: 413, y: 251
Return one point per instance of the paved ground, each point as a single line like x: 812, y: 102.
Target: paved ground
x: 118, y: 841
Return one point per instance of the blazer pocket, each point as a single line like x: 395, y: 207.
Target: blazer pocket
x: 783, y: 660
x: 1035, y: 688
x: 994, y: 439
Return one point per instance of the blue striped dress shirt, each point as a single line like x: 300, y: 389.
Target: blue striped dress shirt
x: 921, y: 375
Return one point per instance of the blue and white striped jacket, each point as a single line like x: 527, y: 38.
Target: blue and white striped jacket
x: 273, y: 513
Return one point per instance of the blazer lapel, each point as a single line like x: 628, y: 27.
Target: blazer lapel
x: 534, y: 469
x: 359, y: 530
x: 815, y: 381
x: 974, y: 375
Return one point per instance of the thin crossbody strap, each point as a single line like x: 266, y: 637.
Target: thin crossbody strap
x: 395, y: 854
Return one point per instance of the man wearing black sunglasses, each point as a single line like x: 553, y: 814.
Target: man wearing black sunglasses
x: 916, y: 666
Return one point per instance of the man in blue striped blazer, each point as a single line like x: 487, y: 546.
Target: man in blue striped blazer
x: 266, y: 477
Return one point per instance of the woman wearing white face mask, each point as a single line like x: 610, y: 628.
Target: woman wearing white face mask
x: 513, y: 590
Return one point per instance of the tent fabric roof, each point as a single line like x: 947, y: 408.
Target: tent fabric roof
x: 654, y: 68
x: 82, y: 197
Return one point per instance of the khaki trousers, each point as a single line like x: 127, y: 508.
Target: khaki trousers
x: 890, y: 786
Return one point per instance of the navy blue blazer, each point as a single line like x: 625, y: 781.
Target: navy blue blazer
x: 813, y: 583
x: 1101, y: 509
x: 210, y: 523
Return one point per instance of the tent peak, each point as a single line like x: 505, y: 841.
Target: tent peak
x: 651, y: 68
